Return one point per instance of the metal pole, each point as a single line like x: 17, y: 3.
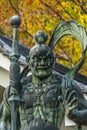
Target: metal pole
x: 14, y: 73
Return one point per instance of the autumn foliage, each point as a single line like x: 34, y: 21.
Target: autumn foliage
x: 45, y: 15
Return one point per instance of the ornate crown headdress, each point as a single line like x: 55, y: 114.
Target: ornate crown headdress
x: 40, y: 37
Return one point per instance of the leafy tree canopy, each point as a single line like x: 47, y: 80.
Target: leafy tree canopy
x: 45, y: 15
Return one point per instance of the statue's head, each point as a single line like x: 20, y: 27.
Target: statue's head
x: 41, y: 57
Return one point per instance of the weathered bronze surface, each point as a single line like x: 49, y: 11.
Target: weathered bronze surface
x: 38, y: 98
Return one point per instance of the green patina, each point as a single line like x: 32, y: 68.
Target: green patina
x: 40, y: 100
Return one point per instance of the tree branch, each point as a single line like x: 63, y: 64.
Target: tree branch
x: 82, y: 5
x: 64, y: 9
x: 27, y: 32
x: 13, y: 7
x: 83, y: 8
x: 52, y: 9
x: 68, y: 56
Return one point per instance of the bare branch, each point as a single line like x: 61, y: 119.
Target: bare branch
x: 68, y: 56
x: 26, y: 32
x: 64, y: 9
x: 13, y: 7
x: 52, y: 9
x: 82, y: 4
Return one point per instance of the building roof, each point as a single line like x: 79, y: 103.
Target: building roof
x: 7, y: 43
x: 5, y: 48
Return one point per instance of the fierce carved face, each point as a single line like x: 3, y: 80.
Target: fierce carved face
x: 41, y: 61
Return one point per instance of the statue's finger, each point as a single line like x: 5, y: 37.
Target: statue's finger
x: 73, y: 107
x: 67, y: 93
x: 71, y: 96
x: 73, y: 102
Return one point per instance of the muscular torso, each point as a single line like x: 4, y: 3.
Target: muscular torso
x: 39, y: 108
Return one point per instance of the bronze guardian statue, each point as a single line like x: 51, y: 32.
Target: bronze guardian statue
x: 38, y: 98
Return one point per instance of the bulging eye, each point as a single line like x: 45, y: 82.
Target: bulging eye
x: 37, y: 59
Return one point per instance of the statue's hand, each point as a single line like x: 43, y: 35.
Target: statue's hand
x: 70, y: 102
